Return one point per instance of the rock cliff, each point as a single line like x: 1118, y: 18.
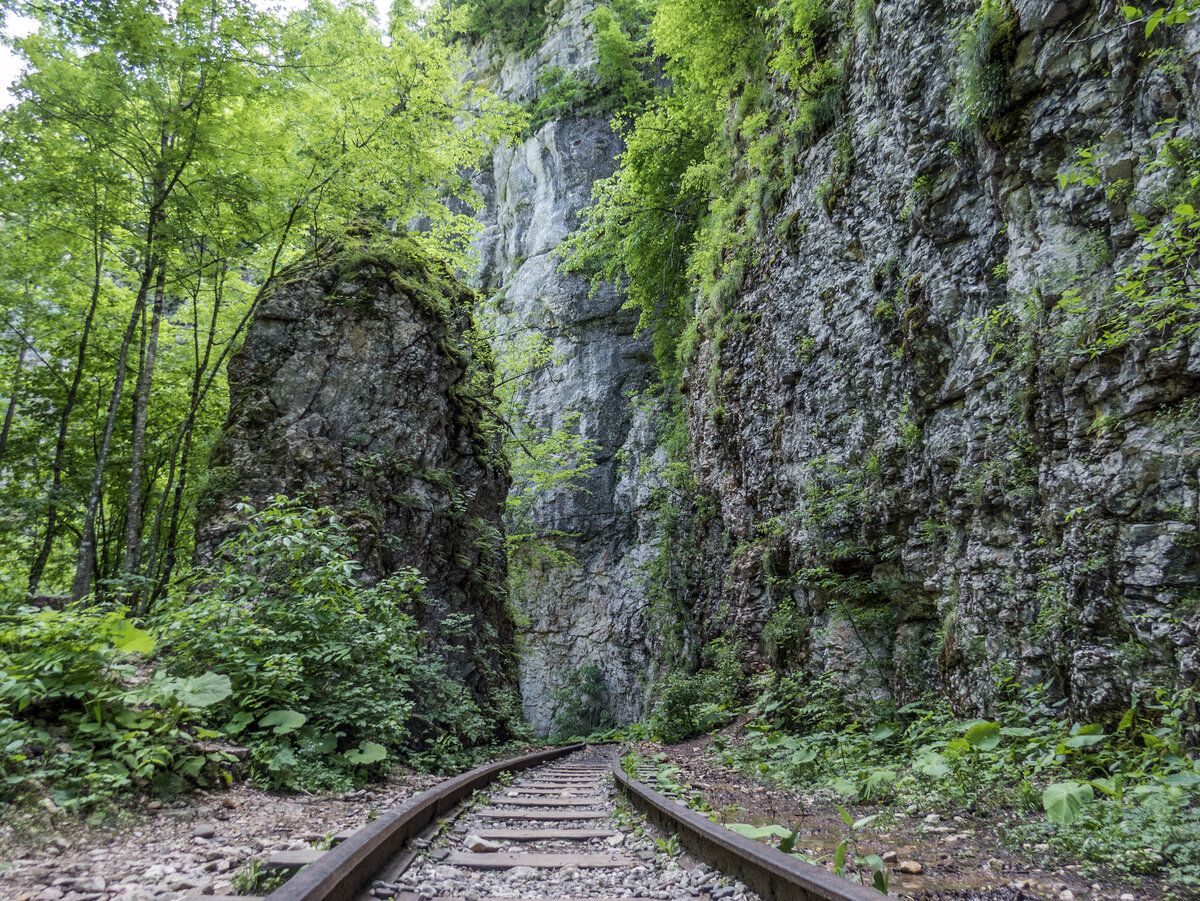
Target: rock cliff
x: 929, y: 471
x: 588, y: 610
x: 359, y: 388
x: 916, y: 467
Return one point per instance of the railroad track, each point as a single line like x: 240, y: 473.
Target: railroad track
x: 550, y: 828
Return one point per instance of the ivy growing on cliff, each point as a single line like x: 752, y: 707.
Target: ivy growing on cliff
x: 694, y: 186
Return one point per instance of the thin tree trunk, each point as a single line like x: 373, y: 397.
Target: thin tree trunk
x: 184, y: 437
x: 141, y: 410
x: 85, y: 561
x: 10, y: 413
x: 64, y: 417
x: 171, y: 544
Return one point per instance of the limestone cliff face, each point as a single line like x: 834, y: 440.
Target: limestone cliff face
x: 357, y: 389
x: 923, y: 479
x: 588, y: 611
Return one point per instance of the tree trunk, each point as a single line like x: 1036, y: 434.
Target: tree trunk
x: 141, y: 409
x: 64, y: 419
x: 10, y: 413
x: 85, y: 561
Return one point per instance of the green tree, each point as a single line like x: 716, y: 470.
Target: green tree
x: 162, y: 162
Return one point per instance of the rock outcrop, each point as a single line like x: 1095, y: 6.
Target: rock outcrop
x: 359, y: 389
x: 927, y: 477
x: 589, y: 610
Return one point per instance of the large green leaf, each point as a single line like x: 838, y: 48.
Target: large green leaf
x: 983, y: 736
x: 1064, y: 801
x: 284, y: 721
x: 200, y: 691
x: 129, y: 638
x: 931, y: 763
x: 366, y: 752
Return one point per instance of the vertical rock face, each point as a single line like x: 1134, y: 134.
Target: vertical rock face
x: 924, y: 477
x: 588, y: 610
x: 358, y: 389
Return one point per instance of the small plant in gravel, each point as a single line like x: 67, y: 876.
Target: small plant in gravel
x: 252, y: 879
x: 847, y: 849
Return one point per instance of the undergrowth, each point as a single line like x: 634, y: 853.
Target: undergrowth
x: 275, y: 646
x: 1125, y: 798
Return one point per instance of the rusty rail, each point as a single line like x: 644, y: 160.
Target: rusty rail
x: 774, y: 875
x: 340, y: 873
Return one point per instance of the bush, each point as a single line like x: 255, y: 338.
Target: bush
x: 581, y: 704
x: 329, y: 677
x: 688, y: 705
x: 79, y: 723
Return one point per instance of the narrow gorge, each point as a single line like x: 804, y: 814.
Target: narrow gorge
x: 913, y: 460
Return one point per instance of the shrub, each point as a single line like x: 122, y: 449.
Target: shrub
x: 77, y: 720
x: 581, y: 704
x: 329, y: 677
x: 688, y: 705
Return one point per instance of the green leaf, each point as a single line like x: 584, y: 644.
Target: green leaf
x: 846, y: 818
x: 237, y: 723
x: 882, y: 733
x: 282, y: 760
x: 807, y: 755
x: 1131, y: 12
x: 844, y: 786
x: 864, y: 822
x: 932, y: 764
x: 788, y: 843
x: 284, y: 721
x: 983, y: 736
x: 839, y: 858
x: 129, y: 638
x: 779, y: 740
x: 1185, y: 779
x: 1064, y: 801
x: 200, y: 691
x: 1084, y: 741
x: 1154, y: 20
x: 367, y: 752
x: 880, y: 881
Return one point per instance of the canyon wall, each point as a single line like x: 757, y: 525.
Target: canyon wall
x: 932, y: 473
x: 916, y: 466
x: 588, y: 609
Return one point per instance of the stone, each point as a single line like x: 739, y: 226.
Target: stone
x: 205, y: 830
x: 481, y: 846
x: 360, y: 400
x: 910, y: 867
